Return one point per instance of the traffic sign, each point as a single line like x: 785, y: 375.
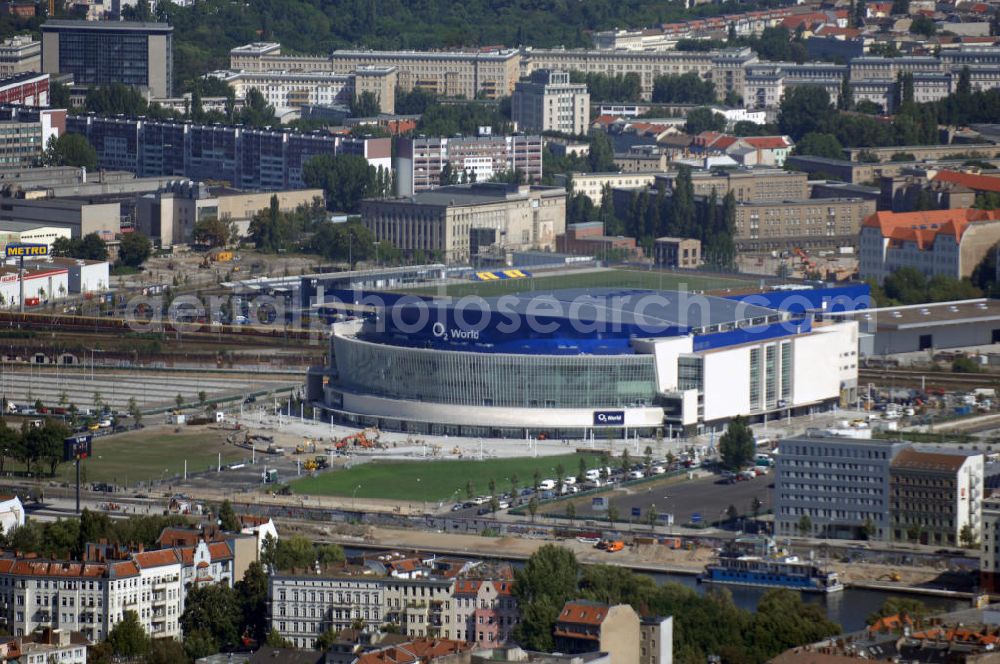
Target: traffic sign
x: 696, y: 517
x: 636, y: 511
x: 21, y: 250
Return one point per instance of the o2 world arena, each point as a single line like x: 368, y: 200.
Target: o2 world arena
x: 575, y: 363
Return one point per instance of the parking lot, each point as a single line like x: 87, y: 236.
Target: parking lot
x: 706, y: 496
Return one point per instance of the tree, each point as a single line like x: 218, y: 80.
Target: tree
x: 652, y: 515
x: 294, y: 553
x: 128, y: 638
x: 345, y: 179
x: 217, y: 610
x: 546, y: 582
x: 560, y: 477
x: 967, y: 537
x: 179, y: 401
x: 470, y: 490
x: 685, y: 89
x: 256, y: 111
x: 647, y: 457
x: 570, y: 511
x: 536, y: 479
x: 494, y: 505
x: 10, y: 441
x: 805, y: 109
x: 165, y: 651
x: 134, y: 411
x: 581, y: 473
x: 350, y: 242
x: 215, y: 232
x: 820, y: 145
x: 755, y: 506
x: 365, y: 105
x: 228, y: 520
x: 923, y: 25
x: 134, y: 249
x: 612, y: 515
x: 252, y: 593
x: 89, y: 247
x: 533, y: 507
x: 704, y: 119
x: 70, y: 150
x: 737, y: 446
x: 326, y: 639
x: 805, y: 525
x: 514, y: 483
x: 330, y: 554
x: 896, y: 606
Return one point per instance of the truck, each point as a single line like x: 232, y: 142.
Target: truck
x: 270, y: 476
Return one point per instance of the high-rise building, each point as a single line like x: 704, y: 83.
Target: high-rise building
x: 20, y: 54
x: 100, y: 53
x: 426, y: 163
x: 548, y: 101
x: 260, y: 159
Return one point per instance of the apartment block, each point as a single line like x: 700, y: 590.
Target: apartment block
x: 548, y: 101
x: 593, y: 185
x: 725, y: 67
x: 105, y: 52
x: 470, y: 74
x: 286, y: 90
x: 935, y: 496
x: 459, y: 223
x: 809, y: 222
x: 834, y: 486
x: 419, y: 162
x: 751, y: 184
x: 938, y: 242
x: 584, y: 626
x: 485, y: 611
x: 657, y: 640
x: 766, y: 82
x: 261, y: 159
x: 24, y: 132
x: 20, y: 54
x: 989, y: 552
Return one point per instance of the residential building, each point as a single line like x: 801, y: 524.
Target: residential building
x: 804, y: 222
x: 261, y: 159
x: 485, y: 611
x: 901, y: 193
x: 549, y: 101
x: 418, y: 651
x: 459, y: 223
x: 747, y: 184
x: 588, y: 238
x: 766, y: 82
x: 644, y: 159
x: 288, y: 90
x: 169, y: 216
x: 489, y: 73
x: 594, y: 185
x: 657, y: 640
x: 105, y: 52
x: 20, y: 54
x: 25, y: 89
x: 47, y: 646
x: 937, y: 242
x: 936, y: 497
x: 427, y: 163
x: 25, y: 132
x: 974, y: 182
x: 989, y: 553
x: 584, y: 626
x: 665, y: 37
x: 724, y: 67
x: 677, y: 252
x: 748, y: 151
x: 834, y: 487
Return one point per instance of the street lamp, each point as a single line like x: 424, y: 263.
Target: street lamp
x: 354, y: 496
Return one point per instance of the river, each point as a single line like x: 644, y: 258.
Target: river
x: 849, y: 607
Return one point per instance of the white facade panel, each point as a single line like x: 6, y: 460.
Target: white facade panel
x: 727, y: 383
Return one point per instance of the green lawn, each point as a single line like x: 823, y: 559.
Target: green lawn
x: 137, y: 456
x: 435, y: 480
x: 595, y: 279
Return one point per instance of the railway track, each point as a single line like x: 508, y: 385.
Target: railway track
x: 926, y: 378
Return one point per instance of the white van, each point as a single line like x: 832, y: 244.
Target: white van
x: 593, y: 474
x: 547, y: 485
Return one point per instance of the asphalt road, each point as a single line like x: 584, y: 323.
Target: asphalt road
x: 705, y: 496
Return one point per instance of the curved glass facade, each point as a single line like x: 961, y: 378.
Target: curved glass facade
x: 493, y: 379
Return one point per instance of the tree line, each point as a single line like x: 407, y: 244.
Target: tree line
x: 704, y: 625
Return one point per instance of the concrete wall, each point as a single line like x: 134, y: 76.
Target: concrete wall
x: 620, y: 634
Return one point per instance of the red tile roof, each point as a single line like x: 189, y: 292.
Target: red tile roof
x: 416, y: 651
x: 766, y: 142
x: 924, y: 227
x: 583, y: 613
x: 970, y: 180
x: 159, y: 558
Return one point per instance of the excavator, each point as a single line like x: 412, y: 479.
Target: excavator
x: 890, y: 576
x: 358, y: 439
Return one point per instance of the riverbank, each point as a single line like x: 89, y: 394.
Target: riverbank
x: 647, y: 558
